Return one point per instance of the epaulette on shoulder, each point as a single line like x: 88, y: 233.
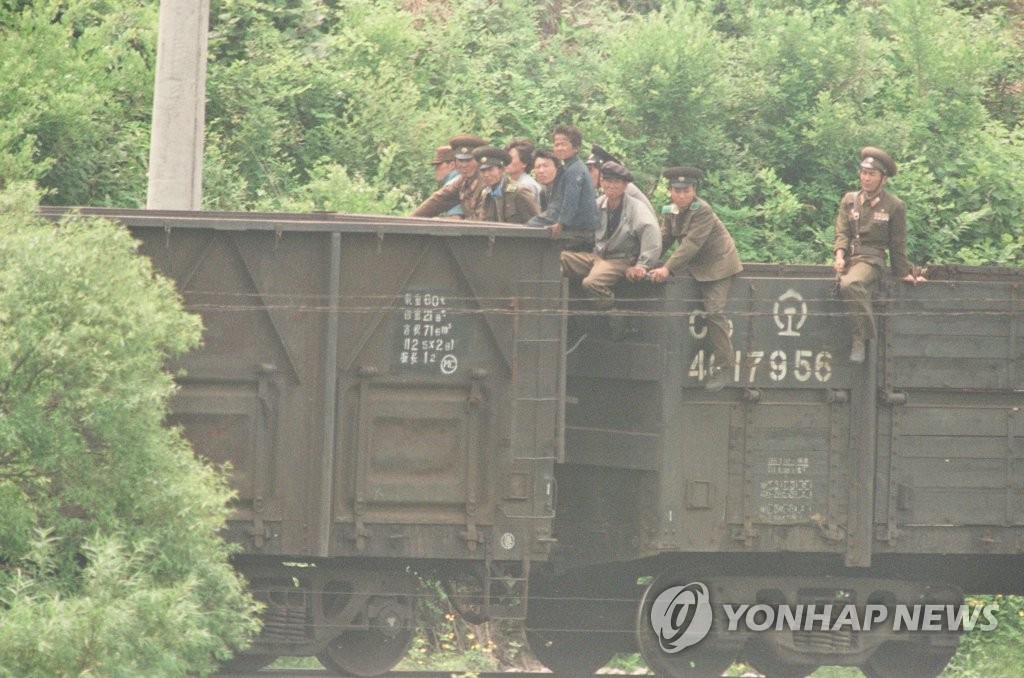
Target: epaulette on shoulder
x: 695, y: 205
x: 667, y: 209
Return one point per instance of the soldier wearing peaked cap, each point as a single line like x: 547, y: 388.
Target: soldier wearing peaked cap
x: 870, y: 223
x: 463, y: 192
x: 490, y: 156
x: 463, y: 145
x: 707, y: 252
x: 501, y: 199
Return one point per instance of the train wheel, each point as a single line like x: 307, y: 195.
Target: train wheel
x: 706, y: 659
x: 375, y: 650
x: 897, y: 659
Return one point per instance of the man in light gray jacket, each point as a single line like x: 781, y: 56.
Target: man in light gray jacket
x: 628, y: 240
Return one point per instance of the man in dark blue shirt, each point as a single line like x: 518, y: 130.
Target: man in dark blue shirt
x: 573, y: 206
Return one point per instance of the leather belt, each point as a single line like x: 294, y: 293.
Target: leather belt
x: 868, y: 251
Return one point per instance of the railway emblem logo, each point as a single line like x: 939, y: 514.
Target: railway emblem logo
x: 681, y: 616
x: 449, y: 364
x: 790, y: 313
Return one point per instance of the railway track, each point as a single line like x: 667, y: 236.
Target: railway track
x: 323, y: 673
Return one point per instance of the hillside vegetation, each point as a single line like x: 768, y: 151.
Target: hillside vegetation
x: 338, y: 104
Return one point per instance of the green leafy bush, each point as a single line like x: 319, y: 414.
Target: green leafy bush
x: 999, y: 652
x: 110, y: 563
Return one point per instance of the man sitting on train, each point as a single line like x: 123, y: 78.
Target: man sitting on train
x: 503, y: 200
x: 571, y: 207
x: 870, y: 222
x: 628, y: 243
x: 598, y: 157
x: 465, y: 191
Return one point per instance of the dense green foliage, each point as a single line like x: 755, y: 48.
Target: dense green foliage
x: 337, y: 104
x: 998, y: 652
x: 76, y: 83
x: 110, y: 562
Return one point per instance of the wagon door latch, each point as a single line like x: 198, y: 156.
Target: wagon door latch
x: 475, y: 401
x: 476, y: 398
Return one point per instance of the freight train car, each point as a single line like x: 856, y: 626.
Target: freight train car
x: 387, y: 393
x: 398, y: 395
x: 810, y: 480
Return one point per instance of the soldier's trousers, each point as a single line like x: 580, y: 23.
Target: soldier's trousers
x: 715, y: 294
x: 855, y: 288
x: 598, y: 275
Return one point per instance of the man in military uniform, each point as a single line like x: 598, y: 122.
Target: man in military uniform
x: 503, y: 199
x: 707, y: 252
x: 628, y: 242
x: 870, y: 222
x: 464, y: 191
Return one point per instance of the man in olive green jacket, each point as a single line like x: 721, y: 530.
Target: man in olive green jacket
x: 869, y: 223
x: 707, y: 252
x: 501, y: 199
x: 464, y: 191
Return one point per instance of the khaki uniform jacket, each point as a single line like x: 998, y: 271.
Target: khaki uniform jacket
x: 637, y: 239
x: 866, y: 229
x: 515, y: 206
x: 706, y: 248
x: 461, y: 191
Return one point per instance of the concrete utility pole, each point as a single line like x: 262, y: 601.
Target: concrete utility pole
x: 179, y: 107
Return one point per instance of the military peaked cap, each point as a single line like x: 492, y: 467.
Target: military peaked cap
x: 681, y: 177
x: 599, y: 156
x: 614, y: 170
x: 876, y: 159
x: 490, y: 156
x: 464, y: 144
